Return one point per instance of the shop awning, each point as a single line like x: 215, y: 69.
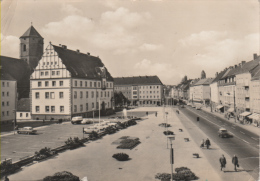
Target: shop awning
x: 230, y: 109
x: 245, y: 113
x: 254, y: 116
x: 219, y: 106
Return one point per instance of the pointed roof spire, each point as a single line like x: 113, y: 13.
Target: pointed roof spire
x: 31, y: 32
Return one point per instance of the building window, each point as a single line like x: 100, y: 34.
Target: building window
x: 7, y: 94
x: 97, y: 94
x: 93, y: 105
x: 75, y: 108
x: 98, y: 84
x: 108, y: 104
x: 81, y: 94
x: 3, y: 84
x: 101, y: 94
x: 80, y: 83
x: 53, y: 83
x: 47, y: 95
x: 52, y: 95
x: 90, y: 84
x: 3, y: 104
x: 86, y: 106
x: 37, y: 108
x: 81, y: 108
x: 92, y: 94
x: 75, y: 83
x: 3, y: 94
x: 52, y: 72
x: 61, y: 108
x: 86, y: 83
x: 97, y: 105
x: 27, y: 115
x: 37, y: 95
x: 52, y: 108
x: 75, y: 94
x: 61, y: 95
x: 3, y: 113
x: 42, y: 73
x: 46, y: 73
x: 86, y: 94
x: 46, y: 83
x: 105, y: 93
x: 47, y: 108
x: 24, y: 47
x: 57, y: 72
x: 7, y: 103
x: 7, y: 83
x: 111, y: 85
x: 39, y: 84
x: 61, y: 83
x: 95, y: 84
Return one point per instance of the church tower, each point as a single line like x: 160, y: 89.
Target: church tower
x: 31, y: 47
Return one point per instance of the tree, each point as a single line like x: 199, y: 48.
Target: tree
x: 203, y: 75
x: 120, y: 99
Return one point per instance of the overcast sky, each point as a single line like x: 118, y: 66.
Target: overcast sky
x: 141, y: 37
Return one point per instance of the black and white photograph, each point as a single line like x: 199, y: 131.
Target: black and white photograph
x: 130, y: 90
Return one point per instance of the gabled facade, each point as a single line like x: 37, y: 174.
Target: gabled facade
x: 200, y: 91
x: 68, y: 83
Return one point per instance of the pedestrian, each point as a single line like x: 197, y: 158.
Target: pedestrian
x: 6, y: 178
x: 146, y: 113
x: 235, y: 162
x: 202, y: 143
x: 207, y: 143
x: 156, y: 114
x: 223, y: 162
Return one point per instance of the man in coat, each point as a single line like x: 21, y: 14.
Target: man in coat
x: 207, y: 143
x: 223, y: 162
x: 235, y: 162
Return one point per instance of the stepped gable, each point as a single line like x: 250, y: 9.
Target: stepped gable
x: 31, y: 32
x: 19, y: 70
x: 139, y: 80
x: 81, y: 65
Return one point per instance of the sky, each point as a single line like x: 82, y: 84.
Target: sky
x: 170, y: 38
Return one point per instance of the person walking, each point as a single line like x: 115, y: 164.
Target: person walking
x: 202, y: 143
x: 6, y: 178
x: 207, y: 143
x: 223, y: 162
x: 235, y: 162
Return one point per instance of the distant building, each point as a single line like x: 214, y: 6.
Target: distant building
x: 8, y: 96
x: 23, y: 111
x: 200, y: 91
x: 68, y: 83
x: 142, y: 90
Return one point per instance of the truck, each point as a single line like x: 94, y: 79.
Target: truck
x: 26, y: 130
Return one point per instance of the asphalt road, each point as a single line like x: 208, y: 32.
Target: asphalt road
x: 243, y: 143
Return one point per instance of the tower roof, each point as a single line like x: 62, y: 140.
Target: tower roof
x: 31, y: 32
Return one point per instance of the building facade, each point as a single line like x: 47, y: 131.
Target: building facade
x: 142, y: 90
x: 23, y: 111
x: 68, y: 83
x: 200, y: 91
x: 8, y: 97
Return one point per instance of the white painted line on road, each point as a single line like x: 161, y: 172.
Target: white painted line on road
x: 254, y: 138
x: 245, y: 141
x: 242, y: 132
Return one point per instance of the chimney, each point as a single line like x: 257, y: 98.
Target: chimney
x: 235, y: 66
x: 255, y: 56
x: 88, y: 54
x: 243, y: 62
x: 64, y: 46
x: 59, y: 45
x: 78, y: 51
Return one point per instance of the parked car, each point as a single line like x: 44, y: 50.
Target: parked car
x: 223, y: 133
x: 193, y: 105
x: 89, y: 130
x: 198, y: 107
x: 26, y: 130
x: 76, y: 120
x: 86, y: 121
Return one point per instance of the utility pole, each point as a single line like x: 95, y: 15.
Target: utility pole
x: 234, y: 106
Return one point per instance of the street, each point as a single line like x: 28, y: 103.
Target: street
x: 244, y: 143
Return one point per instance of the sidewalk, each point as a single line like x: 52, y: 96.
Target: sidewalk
x: 248, y: 127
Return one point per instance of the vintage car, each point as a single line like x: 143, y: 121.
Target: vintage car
x: 89, y: 130
x: 26, y: 130
x: 76, y: 120
x: 86, y: 121
x: 223, y: 133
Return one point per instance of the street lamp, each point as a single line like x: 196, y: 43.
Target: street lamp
x: 14, y: 111
x: 171, y: 138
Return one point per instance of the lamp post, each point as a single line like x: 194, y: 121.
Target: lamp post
x: 14, y: 111
x: 93, y: 115
x: 171, y: 138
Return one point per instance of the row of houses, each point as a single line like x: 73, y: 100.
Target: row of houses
x: 59, y: 83
x: 235, y: 90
